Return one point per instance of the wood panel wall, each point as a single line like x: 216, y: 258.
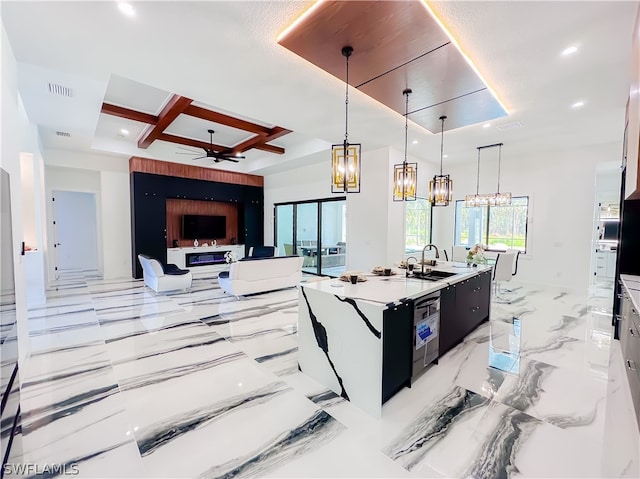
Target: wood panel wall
x: 166, y: 168
x: 177, y: 207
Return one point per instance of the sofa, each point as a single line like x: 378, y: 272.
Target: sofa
x: 161, y: 278
x: 257, y: 275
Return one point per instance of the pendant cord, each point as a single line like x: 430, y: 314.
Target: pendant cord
x: 441, y: 144
x: 478, y: 177
x: 346, y: 128
x: 499, y: 161
x: 406, y: 126
x: 406, y: 143
x: 346, y: 107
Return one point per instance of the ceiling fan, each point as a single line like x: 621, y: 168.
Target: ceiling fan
x: 216, y: 155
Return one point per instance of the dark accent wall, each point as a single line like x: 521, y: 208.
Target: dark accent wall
x: 629, y: 257
x: 149, y: 193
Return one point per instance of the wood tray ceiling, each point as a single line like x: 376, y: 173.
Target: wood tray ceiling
x: 255, y: 135
x: 397, y: 45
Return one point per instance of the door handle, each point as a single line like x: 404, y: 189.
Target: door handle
x: 632, y: 333
x: 631, y: 365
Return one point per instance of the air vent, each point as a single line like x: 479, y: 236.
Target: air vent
x: 63, y: 133
x: 510, y: 126
x: 56, y: 89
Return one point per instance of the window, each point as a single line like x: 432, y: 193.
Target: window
x: 496, y: 227
x: 417, y: 225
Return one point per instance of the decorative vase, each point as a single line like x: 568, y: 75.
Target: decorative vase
x: 195, y: 243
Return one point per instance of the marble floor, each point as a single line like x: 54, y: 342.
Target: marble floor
x: 123, y: 383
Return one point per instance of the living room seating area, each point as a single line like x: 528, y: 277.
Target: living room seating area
x: 257, y: 275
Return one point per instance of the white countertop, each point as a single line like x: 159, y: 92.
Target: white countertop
x: 383, y: 290
x: 632, y: 283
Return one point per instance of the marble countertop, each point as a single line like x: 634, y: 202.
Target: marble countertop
x: 383, y: 290
x: 632, y: 283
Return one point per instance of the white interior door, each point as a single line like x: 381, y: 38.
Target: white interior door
x: 76, y: 231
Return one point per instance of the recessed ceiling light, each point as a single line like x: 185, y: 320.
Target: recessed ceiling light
x: 445, y: 156
x: 127, y: 9
x: 486, y: 125
x: 569, y: 50
x: 578, y: 104
x: 124, y: 132
x: 509, y: 126
x: 415, y: 142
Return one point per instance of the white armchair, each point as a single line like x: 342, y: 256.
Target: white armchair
x: 167, y: 278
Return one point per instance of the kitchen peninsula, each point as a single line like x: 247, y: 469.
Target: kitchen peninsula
x: 367, y: 341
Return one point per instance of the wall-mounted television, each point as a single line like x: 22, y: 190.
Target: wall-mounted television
x: 610, y: 230
x: 204, y: 227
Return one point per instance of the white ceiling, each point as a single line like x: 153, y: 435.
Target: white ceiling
x: 224, y: 54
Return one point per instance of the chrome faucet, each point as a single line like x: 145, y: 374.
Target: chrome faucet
x: 423, y: 250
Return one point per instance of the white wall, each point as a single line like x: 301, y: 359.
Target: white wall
x: 107, y: 177
x: 368, y: 213
x: 13, y: 123
x: 375, y: 223
x: 561, y: 189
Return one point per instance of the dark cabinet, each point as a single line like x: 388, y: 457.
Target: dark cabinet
x: 449, y: 327
x: 629, y: 323
x: 397, y: 348
x: 463, y: 307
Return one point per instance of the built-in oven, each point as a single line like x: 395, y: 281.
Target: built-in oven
x: 426, y: 325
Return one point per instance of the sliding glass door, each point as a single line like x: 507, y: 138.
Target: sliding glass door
x: 315, y: 230
x: 284, y: 230
x: 334, y: 240
x: 307, y: 235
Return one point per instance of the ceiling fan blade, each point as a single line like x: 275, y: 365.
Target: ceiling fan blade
x: 232, y: 159
x: 192, y: 153
x: 199, y: 158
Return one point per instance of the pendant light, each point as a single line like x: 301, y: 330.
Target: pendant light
x: 441, y: 187
x: 345, y: 162
x: 490, y: 199
x: 405, y: 175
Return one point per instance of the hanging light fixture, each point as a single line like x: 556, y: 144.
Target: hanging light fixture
x: 490, y: 199
x: 441, y: 187
x: 345, y: 163
x: 405, y: 175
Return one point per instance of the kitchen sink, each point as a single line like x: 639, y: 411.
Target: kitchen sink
x: 432, y: 275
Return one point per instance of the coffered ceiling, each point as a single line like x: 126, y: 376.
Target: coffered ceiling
x: 182, y: 121
x: 396, y: 45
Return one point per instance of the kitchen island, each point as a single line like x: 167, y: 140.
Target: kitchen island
x: 367, y: 341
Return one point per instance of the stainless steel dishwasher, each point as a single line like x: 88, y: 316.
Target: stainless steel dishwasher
x: 426, y: 325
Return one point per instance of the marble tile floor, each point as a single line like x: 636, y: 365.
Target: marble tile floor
x: 125, y: 383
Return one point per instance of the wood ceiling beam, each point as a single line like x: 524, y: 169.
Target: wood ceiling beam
x: 128, y: 114
x: 270, y: 148
x: 227, y: 120
x: 190, y: 142
x: 275, y: 133
x: 174, y: 107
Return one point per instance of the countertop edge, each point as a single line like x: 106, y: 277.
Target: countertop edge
x: 437, y: 286
x: 635, y: 293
